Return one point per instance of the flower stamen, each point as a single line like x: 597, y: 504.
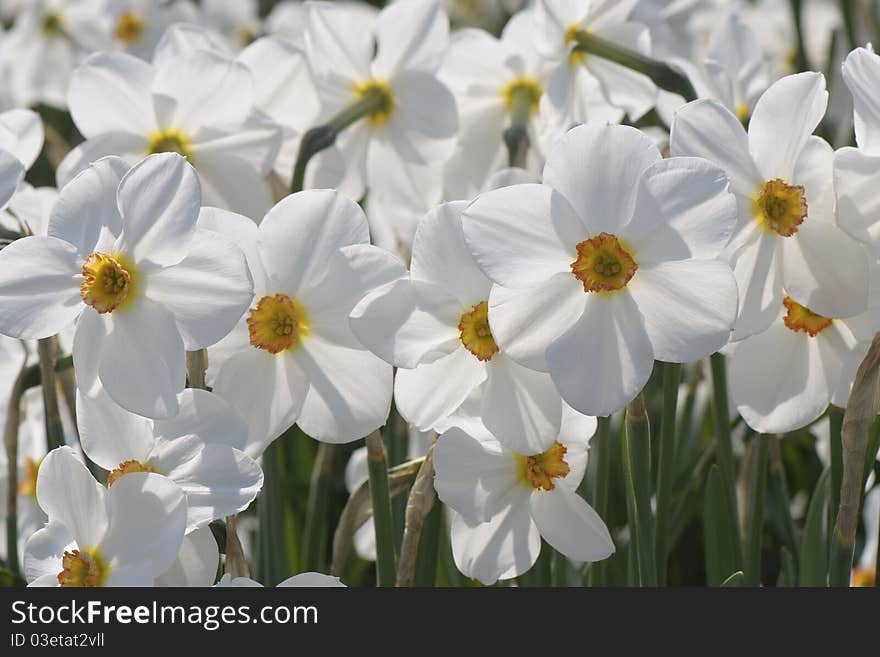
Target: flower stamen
x: 127, y: 467
x: 799, y: 318
x: 108, y: 281
x: 540, y: 470
x: 83, y: 568
x: 780, y: 207
x: 129, y: 27
x: 277, y: 323
x: 475, y: 334
x: 603, y: 264
x: 170, y: 141
x: 384, y: 100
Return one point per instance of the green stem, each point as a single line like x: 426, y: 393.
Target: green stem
x: 10, y: 440
x: 801, y: 53
x: 779, y: 490
x: 47, y: 349
x: 32, y: 376
x: 316, y: 511
x: 324, y: 136
x: 272, y: 565
x: 636, y: 450
x: 426, y: 561
x: 516, y: 136
x: 724, y: 449
x: 756, y: 510
x: 600, y: 448
x: 386, y: 568
x: 846, y: 8
x: 663, y: 75
x: 666, y: 466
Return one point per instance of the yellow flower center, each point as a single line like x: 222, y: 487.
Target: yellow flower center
x: 277, y: 323
x: 862, y: 578
x: 108, y: 282
x: 780, y: 207
x: 799, y: 318
x: 575, y: 56
x: 384, y: 100
x: 475, y: 334
x: 603, y: 264
x: 127, y: 467
x: 170, y: 141
x: 742, y: 112
x: 83, y: 568
x: 244, y: 36
x: 540, y: 470
x: 129, y: 27
x: 526, y: 88
x: 27, y: 485
x: 51, y: 24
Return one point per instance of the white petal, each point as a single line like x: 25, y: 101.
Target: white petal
x: 432, y: 391
x: 597, y: 168
x: 778, y: 380
x: 474, y: 478
x: 705, y: 128
x: 312, y: 580
x: 196, y: 563
x: 602, y: 362
x: 571, y: 525
x: 11, y: 174
x: 410, y: 35
x: 39, y: 287
x: 856, y: 181
x: 861, y: 72
x: 128, y: 147
x: 142, y: 360
x: 43, y: 554
x: 26, y: 129
x: 522, y: 235
x: 520, y: 406
x: 110, y: 435
x: 86, y: 214
x: 147, y: 521
x: 69, y: 495
x: 110, y: 92
x: 207, y: 292
x: 267, y: 391
x: 826, y: 270
x: 159, y: 200
x: 784, y: 120
x: 207, y: 416
x: 441, y: 256
x: 339, y: 45
x: 349, y: 391
x: 506, y: 546
x: 758, y: 271
x: 299, y: 233
x: 525, y: 321
x: 683, y: 210
x: 689, y: 307
x: 229, y: 181
x: 218, y: 481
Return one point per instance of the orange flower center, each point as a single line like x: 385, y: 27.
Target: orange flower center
x: 108, y: 281
x: 127, y: 467
x: 540, y: 470
x: 780, y: 207
x: 277, y: 323
x: 27, y: 485
x: 603, y: 264
x: 475, y: 334
x: 800, y: 318
x: 83, y: 568
x: 129, y: 27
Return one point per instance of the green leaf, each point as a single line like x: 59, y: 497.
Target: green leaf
x: 814, y: 543
x: 718, y: 536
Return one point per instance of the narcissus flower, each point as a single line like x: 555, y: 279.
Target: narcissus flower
x: 124, y: 536
x: 786, y: 236
x: 136, y: 26
x: 416, y: 120
x: 200, y: 449
x: 292, y: 357
x: 303, y: 579
x: 434, y: 325
x: 609, y: 264
x: 196, y: 563
x: 198, y: 104
x: 124, y: 255
x: 784, y: 378
x: 558, y: 23
x: 506, y: 502
x: 856, y: 173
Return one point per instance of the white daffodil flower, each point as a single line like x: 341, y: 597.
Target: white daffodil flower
x: 433, y: 324
x: 124, y: 255
x: 610, y: 263
x: 784, y: 378
x: 417, y: 121
x: 137, y: 25
x: 491, y: 78
x: 237, y: 20
x: 786, y: 236
x: 124, y: 536
x: 199, y: 104
x: 46, y: 43
x: 196, y: 563
x: 506, y: 502
x: 856, y: 173
x: 576, y: 74
x: 302, y: 579
x: 292, y: 357
x: 199, y: 449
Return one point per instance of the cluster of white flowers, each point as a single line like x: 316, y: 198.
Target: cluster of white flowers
x: 485, y: 240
